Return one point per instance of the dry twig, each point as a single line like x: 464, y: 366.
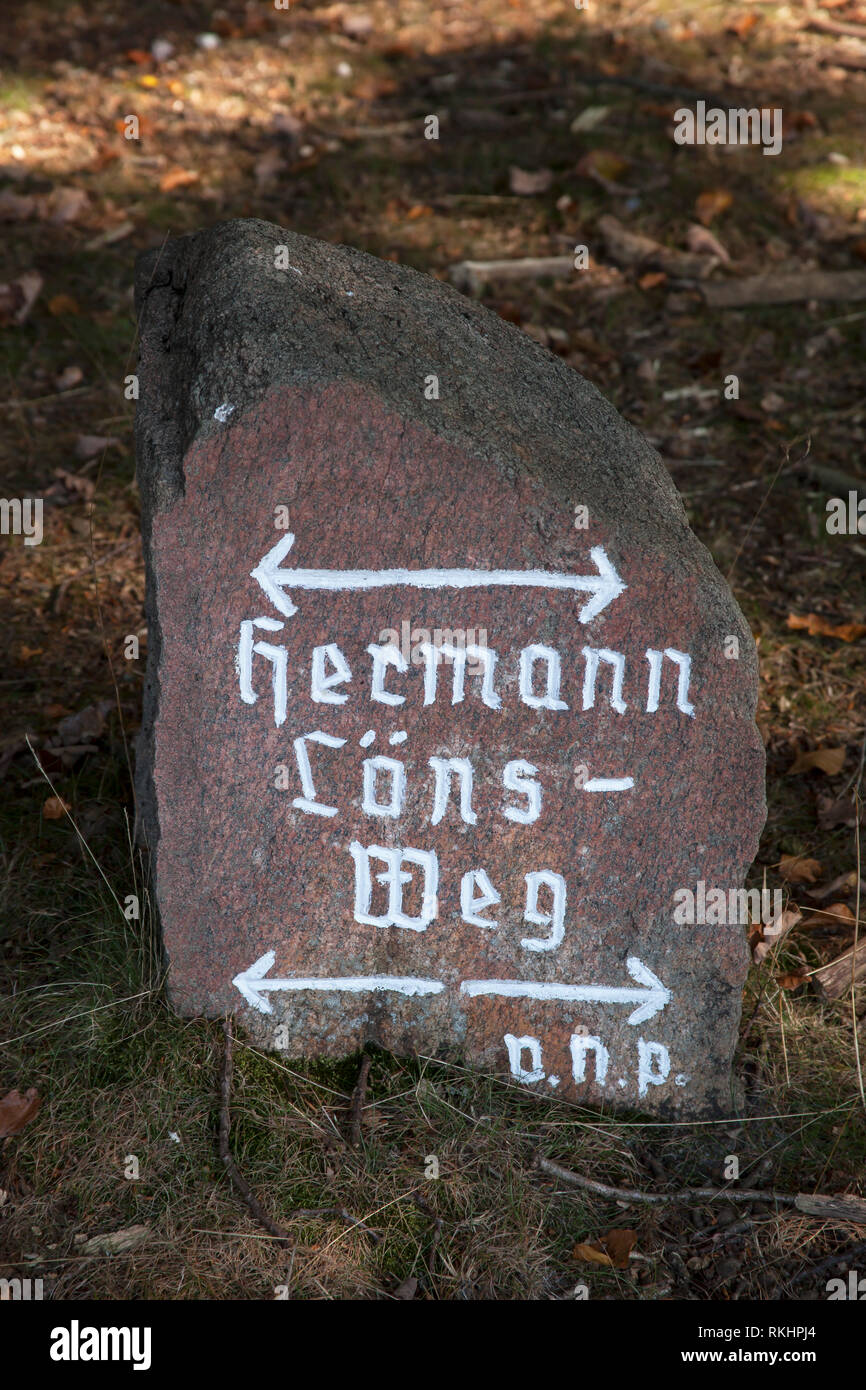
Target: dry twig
x: 826, y: 1208
x: 358, y: 1097
x: 229, y: 1164
x: 844, y: 285
x: 815, y: 1271
x: 238, y: 1179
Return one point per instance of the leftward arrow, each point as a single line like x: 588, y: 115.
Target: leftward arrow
x: 253, y: 985
x: 603, y: 587
x: 651, y: 999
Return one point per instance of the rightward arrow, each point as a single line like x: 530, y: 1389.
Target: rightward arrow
x: 254, y: 985
x: 604, y: 586
x: 650, y: 1000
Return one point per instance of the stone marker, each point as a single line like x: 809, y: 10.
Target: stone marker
x: 447, y: 710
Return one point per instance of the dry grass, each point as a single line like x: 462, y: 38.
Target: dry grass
x: 121, y: 1076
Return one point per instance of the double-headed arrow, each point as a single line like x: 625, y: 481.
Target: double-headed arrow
x: 648, y: 993
x: 604, y: 587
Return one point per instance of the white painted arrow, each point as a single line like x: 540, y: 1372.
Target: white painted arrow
x: 604, y: 587
x: 652, y: 999
x: 252, y: 983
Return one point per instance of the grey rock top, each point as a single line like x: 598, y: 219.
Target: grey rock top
x: 220, y: 322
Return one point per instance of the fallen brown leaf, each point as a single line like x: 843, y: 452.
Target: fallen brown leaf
x: 606, y: 166
x: 795, y: 868
x: 55, y: 808
x: 178, y: 178
x: 60, y: 304
x: 829, y: 760
x: 619, y: 1242
x: 711, y: 203
x: 838, y: 916
x: 743, y: 25
x: 372, y: 88
x: 816, y: 626
x: 651, y: 279
x: 106, y: 155
x: 765, y: 937
x: 799, y: 120
x: 793, y: 979
x: 16, y: 1110
x: 592, y: 1254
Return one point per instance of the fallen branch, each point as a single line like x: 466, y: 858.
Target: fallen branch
x: 370, y: 132
x: 843, y: 1208
x: 815, y: 1271
x: 437, y: 1232
x: 629, y: 248
x: 833, y: 26
x: 598, y: 79
x: 842, y: 58
x: 836, y: 979
x: 472, y: 276
x: 843, y: 285
x: 840, y: 1208
x: 358, y: 1097
x: 240, y: 1182
x: 229, y: 1164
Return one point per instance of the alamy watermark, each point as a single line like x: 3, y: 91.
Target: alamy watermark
x: 414, y: 644
x: 714, y: 907
x: 853, y: 1289
x: 77, y: 1343
x: 22, y: 517
x: 846, y: 517
x: 21, y: 1291
x: 739, y: 125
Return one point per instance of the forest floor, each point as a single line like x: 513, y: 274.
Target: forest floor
x: 551, y: 117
